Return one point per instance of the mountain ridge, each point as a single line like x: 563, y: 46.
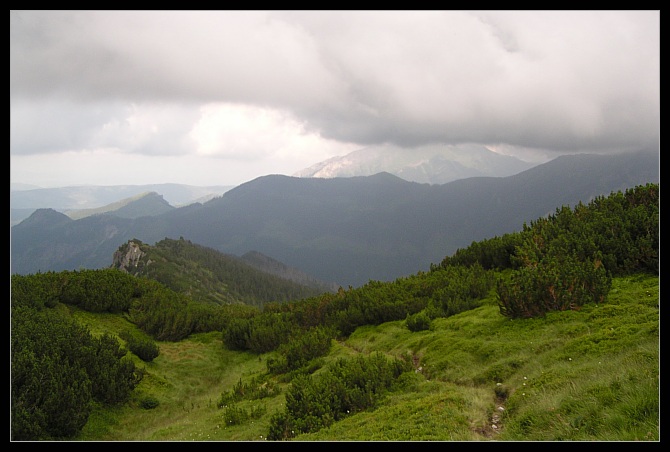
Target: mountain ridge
x: 24, y: 199
x: 144, y: 204
x: 207, y: 275
x: 346, y: 230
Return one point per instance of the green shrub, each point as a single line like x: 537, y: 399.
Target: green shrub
x: 145, y: 348
x: 234, y: 415
x: 258, y: 388
x: 418, y: 322
x: 149, y: 403
x: 346, y: 386
x: 552, y: 284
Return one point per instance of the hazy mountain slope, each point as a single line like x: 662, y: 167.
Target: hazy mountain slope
x: 16, y: 216
x: 272, y: 266
x: 349, y: 230
x: 425, y: 164
x: 354, y: 229
x: 144, y: 204
x: 51, y: 241
x: 25, y: 201
x: 44, y: 217
x: 93, y: 196
x: 566, y: 180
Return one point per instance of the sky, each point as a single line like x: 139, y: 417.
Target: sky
x: 223, y: 97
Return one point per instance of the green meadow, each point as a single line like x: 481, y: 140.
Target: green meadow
x: 580, y: 375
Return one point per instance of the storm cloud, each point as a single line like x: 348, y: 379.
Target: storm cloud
x: 260, y: 92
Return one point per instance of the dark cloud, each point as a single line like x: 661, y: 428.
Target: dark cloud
x: 556, y: 81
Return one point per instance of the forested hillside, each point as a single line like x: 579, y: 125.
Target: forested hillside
x: 571, y: 261
x: 208, y: 275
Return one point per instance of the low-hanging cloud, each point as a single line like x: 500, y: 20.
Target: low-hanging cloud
x: 180, y: 82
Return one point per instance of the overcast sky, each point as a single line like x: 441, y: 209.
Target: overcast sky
x: 223, y: 97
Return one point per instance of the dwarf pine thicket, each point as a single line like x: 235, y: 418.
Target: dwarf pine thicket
x: 560, y: 262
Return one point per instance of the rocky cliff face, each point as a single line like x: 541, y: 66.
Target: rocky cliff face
x: 128, y: 258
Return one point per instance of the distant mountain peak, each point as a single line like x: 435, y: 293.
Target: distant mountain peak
x: 143, y: 204
x: 46, y: 216
x: 433, y: 164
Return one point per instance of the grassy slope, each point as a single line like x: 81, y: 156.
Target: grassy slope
x: 589, y: 375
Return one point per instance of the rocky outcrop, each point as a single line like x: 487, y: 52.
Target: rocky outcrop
x: 128, y: 257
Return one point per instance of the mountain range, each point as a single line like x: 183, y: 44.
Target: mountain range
x: 425, y: 164
x: 431, y: 164
x: 348, y: 230
x: 84, y: 200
